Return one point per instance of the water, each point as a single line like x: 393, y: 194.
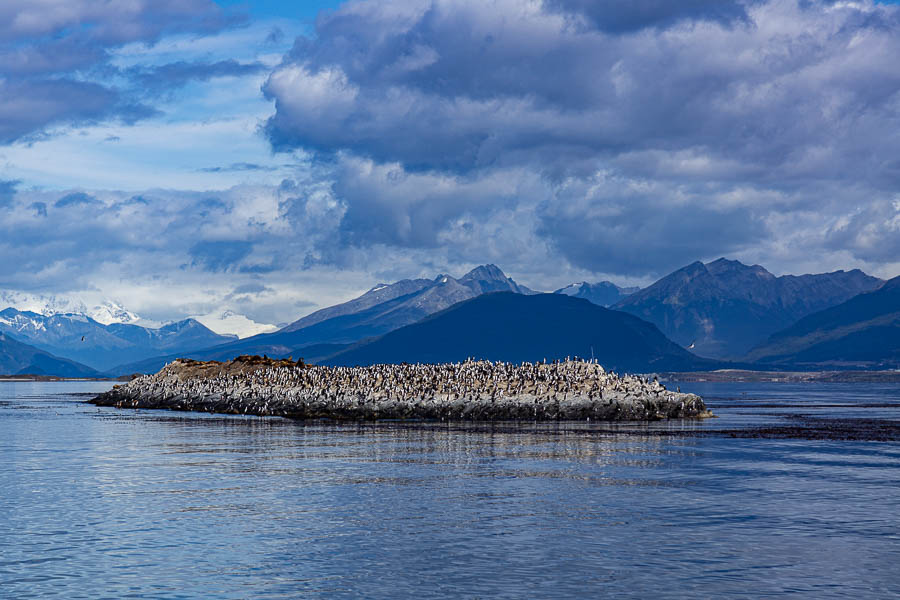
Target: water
x: 108, y: 503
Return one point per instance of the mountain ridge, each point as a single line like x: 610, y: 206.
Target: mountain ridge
x: 383, y: 308
x: 517, y: 327
x: 80, y: 338
x: 863, y: 331
x: 724, y: 308
x: 18, y: 358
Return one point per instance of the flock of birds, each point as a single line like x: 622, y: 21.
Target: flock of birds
x: 466, y: 390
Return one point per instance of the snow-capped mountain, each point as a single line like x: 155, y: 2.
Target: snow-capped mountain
x: 111, y: 312
x: 41, y: 304
x: 229, y: 322
x: 106, y: 312
x: 102, y: 346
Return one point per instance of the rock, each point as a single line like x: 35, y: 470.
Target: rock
x: 472, y: 390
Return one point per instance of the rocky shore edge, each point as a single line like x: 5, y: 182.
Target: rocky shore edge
x: 467, y: 391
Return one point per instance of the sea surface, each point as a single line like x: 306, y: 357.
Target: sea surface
x: 794, y: 491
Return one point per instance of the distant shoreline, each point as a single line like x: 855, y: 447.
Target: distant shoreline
x: 46, y: 378
x: 748, y: 376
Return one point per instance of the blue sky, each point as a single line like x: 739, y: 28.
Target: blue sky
x: 274, y: 157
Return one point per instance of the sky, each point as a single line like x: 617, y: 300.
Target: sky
x: 184, y: 157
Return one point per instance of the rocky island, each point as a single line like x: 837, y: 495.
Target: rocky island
x: 466, y: 391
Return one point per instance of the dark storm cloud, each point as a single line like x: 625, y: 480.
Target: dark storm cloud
x: 54, y: 57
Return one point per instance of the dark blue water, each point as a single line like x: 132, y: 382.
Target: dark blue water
x: 107, y: 503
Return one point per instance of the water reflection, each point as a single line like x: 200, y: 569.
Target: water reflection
x: 106, y: 502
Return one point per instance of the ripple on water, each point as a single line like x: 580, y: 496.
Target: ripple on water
x: 106, y: 503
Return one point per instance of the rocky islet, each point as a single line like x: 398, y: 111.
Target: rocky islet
x: 467, y: 391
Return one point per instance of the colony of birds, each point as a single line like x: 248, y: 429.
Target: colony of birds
x: 471, y: 390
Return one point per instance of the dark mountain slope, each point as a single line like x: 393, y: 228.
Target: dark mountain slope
x: 725, y: 307
x: 863, y: 331
x: 515, y: 327
x: 18, y: 358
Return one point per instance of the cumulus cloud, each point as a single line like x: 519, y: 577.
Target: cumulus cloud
x: 650, y: 133
x: 461, y: 85
x: 871, y: 232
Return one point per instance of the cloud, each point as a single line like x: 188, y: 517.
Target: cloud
x: 54, y: 57
x: 623, y: 227
x: 220, y: 255
x: 75, y: 199
x: 168, y: 77
x: 39, y: 208
x: 626, y: 16
x: 631, y: 137
x: 7, y: 192
x: 465, y: 85
x: 871, y: 232
x: 241, y: 166
x: 114, y: 22
x: 29, y: 106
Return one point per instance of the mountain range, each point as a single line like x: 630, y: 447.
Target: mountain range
x: 80, y: 338
x: 382, y: 309
x: 515, y: 328
x: 863, y: 332
x: 719, y: 310
x: 17, y: 358
x: 724, y: 308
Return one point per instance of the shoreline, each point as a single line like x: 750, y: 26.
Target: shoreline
x: 470, y: 391
x: 748, y: 376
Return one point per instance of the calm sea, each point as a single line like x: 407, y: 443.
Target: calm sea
x: 793, y: 491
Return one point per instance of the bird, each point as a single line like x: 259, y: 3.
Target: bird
x: 82, y: 338
x: 691, y: 347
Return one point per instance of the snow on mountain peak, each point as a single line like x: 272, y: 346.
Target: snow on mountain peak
x: 229, y: 322
x: 112, y: 312
x: 41, y: 304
